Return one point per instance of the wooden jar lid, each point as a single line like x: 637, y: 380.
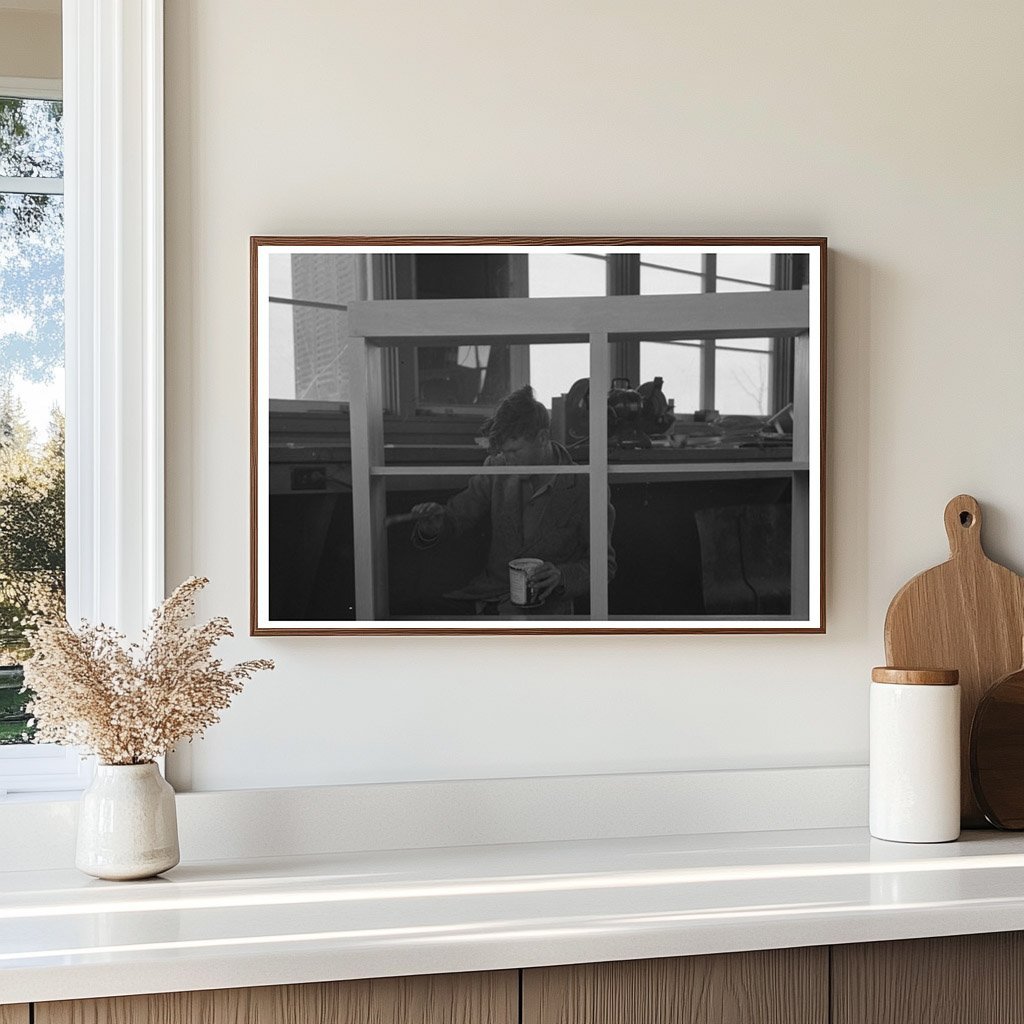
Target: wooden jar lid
x: 916, y: 676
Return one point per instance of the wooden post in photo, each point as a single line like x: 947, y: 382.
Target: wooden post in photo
x: 800, y: 549
x: 366, y: 424
x: 600, y: 381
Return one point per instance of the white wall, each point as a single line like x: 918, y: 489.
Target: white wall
x: 29, y: 42
x: 894, y: 129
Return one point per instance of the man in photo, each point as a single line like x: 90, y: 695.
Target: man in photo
x: 541, y: 515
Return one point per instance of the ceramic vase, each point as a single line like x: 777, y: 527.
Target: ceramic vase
x: 127, y: 825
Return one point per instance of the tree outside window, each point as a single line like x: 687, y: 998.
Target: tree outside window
x: 31, y: 385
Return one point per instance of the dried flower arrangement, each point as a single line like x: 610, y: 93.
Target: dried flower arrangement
x: 129, y: 704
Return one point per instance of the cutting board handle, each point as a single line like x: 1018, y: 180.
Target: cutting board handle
x: 963, y: 526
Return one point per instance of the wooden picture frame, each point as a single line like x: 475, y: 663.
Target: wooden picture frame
x: 380, y: 369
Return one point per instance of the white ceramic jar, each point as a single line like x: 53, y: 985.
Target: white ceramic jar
x: 915, y: 755
x: 127, y: 823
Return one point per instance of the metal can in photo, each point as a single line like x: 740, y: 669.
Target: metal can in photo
x: 520, y: 583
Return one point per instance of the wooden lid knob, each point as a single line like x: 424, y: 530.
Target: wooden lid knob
x: 916, y: 676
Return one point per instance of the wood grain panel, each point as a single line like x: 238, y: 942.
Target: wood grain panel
x: 962, y: 979
x: 482, y: 998
x: 967, y: 614
x: 779, y: 986
x: 14, y: 1014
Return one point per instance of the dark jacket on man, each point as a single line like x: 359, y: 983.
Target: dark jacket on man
x: 544, y: 516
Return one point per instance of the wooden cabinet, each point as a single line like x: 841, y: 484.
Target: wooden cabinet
x: 968, y: 979
x: 962, y: 979
x: 777, y: 986
x: 491, y: 998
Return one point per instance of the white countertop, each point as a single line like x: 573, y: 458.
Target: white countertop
x: 225, y: 924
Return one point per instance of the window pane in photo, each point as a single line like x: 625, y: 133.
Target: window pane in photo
x: 454, y: 377
x: 308, y: 354
x: 678, y: 364
x: 312, y: 571
x: 31, y: 138
x: 555, y: 368
x: 701, y: 548
x: 450, y: 541
x: 330, y: 279
x: 308, y: 319
x: 670, y: 273
x: 744, y: 272
x: 461, y: 391
x: 562, y: 274
x: 742, y: 382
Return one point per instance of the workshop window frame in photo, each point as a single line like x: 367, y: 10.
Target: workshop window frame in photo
x: 378, y: 362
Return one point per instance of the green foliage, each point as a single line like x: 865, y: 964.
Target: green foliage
x: 31, y: 543
x: 14, y: 727
x: 31, y: 138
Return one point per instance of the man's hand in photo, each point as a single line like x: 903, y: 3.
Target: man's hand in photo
x: 546, y: 580
x: 432, y: 522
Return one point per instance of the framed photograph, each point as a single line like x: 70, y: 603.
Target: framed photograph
x: 537, y: 435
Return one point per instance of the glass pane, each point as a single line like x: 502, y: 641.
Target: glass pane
x: 670, y: 273
x: 14, y: 726
x: 31, y: 138
x: 561, y: 274
x: 453, y: 561
x: 742, y: 382
x: 462, y: 392
x: 744, y: 272
x: 279, y: 269
x: 688, y: 548
x: 308, y: 323
x: 312, y: 571
x: 317, y: 340
x: 460, y: 376
x: 555, y: 368
x: 678, y: 364
x: 31, y: 431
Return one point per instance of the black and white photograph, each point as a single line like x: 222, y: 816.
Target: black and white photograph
x: 481, y: 435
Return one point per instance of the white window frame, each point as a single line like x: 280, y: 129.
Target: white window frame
x: 114, y: 327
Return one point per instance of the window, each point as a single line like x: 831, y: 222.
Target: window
x: 32, y: 515
x: 113, y: 334
x: 31, y: 381
x: 727, y: 377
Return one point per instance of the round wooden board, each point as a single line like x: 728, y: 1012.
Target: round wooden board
x: 997, y: 752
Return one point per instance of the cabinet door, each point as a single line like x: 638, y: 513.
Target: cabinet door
x: 962, y: 979
x: 778, y: 986
x: 491, y: 998
x: 14, y: 1014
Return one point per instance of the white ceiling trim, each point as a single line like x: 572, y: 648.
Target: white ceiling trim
x: 31, y: 6
x: 31, y: 88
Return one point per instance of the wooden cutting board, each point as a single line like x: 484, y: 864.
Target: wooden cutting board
x: 967, y: 614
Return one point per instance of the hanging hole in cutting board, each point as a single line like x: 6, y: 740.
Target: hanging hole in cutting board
x: 966, y: 519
